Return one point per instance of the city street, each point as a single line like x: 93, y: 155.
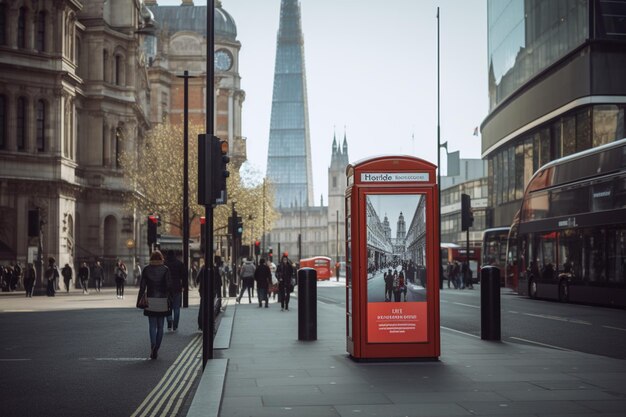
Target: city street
x: 574, y: 327
x: 376, y: 289
x: 86, y: 355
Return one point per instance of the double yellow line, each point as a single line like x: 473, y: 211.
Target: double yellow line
x: 168, y: 395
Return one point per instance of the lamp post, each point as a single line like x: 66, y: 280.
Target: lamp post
x: 186, y: 78
x: 439, y: 161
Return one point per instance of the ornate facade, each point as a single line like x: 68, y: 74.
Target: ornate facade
x: 73, y: 95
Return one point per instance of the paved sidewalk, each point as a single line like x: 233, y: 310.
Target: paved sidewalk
x: 271, y: 373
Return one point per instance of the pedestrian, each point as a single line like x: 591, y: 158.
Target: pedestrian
x: 246, y: 272
x: 177, y: 273
x: 156, y: 284
x: 10, y: 277
x: 120, y: 278
x: 284, y: 274
x: 30, y: 277
x: 51, y: 274
x: 263, y: 278
x: 137, y: 273
x: 388, y: 277
x: 98, y: 275
x: 337, y: 270
x: 274, y: 287
x: 194, y: 275
x: 67, y: 276
x: 17, y: 273
x: 83, y: 277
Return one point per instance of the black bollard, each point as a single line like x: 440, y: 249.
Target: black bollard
x: 307, y: 304
x: 490, y: 303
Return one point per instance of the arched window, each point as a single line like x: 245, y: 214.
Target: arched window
x: 21, y: 28
x: 21, y: 124
x: 110, y: 237
x: 3, y: 122
x: 40, y: 37
x: 118, y: 69
x: 40, y: 125
x: 3, y: 24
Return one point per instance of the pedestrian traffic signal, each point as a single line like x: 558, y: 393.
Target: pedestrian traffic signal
x: 202, y: 232
x: 257, y: 247
x: 219, y: 169
x: 270, y: 254
x: 153, y: 226
x: 238, y: 226
x: 467, y: 217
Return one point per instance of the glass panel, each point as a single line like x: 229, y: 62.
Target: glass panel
x: 40, y: 125
x: 568, y: 135
x: 528, y: 161
x: 570, y: 251
x: 583, y: 130
x: 605, y: 119
x: 544, y: 139
x: 547, y: 257
x: 21, y: 123
x: 519, y: 171
x: 593, y: 261
x: 616, y: 256
x: 40, y: 38
x: 21, y: 28
x: 611, y: 19
x: 510, y: 168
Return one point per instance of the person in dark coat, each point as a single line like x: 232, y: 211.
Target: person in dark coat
x: 51, y: 274
x: 284, y: 274
x: 98, y: 275
x: 263, y: 278
x: 29, y: 279
x: 83, y: 277
x: 121, y: 272
x: 177, y: 274
x: 67, y: 276
x: 388, y: 277
x: 156, y: 283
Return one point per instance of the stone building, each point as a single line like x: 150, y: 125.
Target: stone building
x: 73, y: 95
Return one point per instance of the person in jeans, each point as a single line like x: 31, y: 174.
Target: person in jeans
x: 177, y: 273
x: 83, y: 277
x: 98, y: 275
x: 120, y: 278
x: 156, y: 283
x: 247, y: 276
x: 263, y: 278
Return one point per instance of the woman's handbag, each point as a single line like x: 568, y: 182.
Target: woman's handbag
x: 142, y: 302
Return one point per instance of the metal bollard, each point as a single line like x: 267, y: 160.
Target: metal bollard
x: 490, y: 303
x: 307, y: 304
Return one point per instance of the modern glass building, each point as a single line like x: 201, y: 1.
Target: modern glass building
x: 557, y: 86
x: 289, y: 154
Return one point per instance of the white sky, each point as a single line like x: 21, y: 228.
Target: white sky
x: 371, y: 66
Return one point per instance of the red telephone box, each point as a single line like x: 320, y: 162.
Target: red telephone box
x: 392, y: 258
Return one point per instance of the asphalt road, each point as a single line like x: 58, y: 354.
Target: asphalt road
x: 596, y: 330
x: 86, y: 355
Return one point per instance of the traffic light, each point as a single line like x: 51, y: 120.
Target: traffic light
x: 153, y: 226
x: 467, y: 217
x: 219, y: 169
x: 257, y: 247
x: 238, y: 226
x: 202, y: 232
x: 270, y: 255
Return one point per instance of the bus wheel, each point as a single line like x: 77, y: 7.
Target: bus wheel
x: 563, y: 291
x: 532, y: 288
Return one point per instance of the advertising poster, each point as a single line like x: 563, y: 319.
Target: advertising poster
x: 396, y: 268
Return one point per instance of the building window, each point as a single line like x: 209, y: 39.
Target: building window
x: 21, y: 28
x: 3, y: 121
x: 118, y: 147
x: 334, y: 181
x: 118, y: 69
x: 3, y: 25
x: 40, y: 39
x: 105, y: 65
x: 21, y: 124
x: 41, y: 125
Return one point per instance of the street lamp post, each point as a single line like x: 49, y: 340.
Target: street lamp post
x: 439, y: 161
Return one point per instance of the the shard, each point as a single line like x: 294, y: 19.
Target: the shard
x: 289, y: 153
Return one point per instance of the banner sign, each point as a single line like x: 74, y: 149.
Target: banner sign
x: 394, y: 177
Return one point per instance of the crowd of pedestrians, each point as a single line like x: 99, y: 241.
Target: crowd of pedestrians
x: 459, y: 275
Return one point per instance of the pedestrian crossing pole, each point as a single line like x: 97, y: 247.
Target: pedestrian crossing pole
x: 208, y: 289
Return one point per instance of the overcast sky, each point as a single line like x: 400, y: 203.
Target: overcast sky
x: 371, y: 66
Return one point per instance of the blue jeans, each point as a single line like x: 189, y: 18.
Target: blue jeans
x: 156, y: 330
x: 176, y: 300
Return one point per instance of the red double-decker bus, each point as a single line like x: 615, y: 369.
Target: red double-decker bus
x: 570, y: 235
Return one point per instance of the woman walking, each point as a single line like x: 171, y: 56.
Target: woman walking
x: 120, y: 278
x: 284, y: 273
x: 156, y: 283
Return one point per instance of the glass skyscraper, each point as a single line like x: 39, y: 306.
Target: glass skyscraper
x: 289, y: 154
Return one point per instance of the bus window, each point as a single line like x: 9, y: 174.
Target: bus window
x: 616, y: 265
x: 594, y: 254
x: 547, y: 256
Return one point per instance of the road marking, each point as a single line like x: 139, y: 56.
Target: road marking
x: 614, y: 328
x: 466, y: 305
x: 558, y: 318
x: 541, y: 344
x: 180, y: 376
x: 458, y: 331
x: 116, y: 359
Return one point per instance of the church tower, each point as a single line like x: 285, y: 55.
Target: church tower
x: 336, y: 199
x: 401, y: 229
x: 289, y: 154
